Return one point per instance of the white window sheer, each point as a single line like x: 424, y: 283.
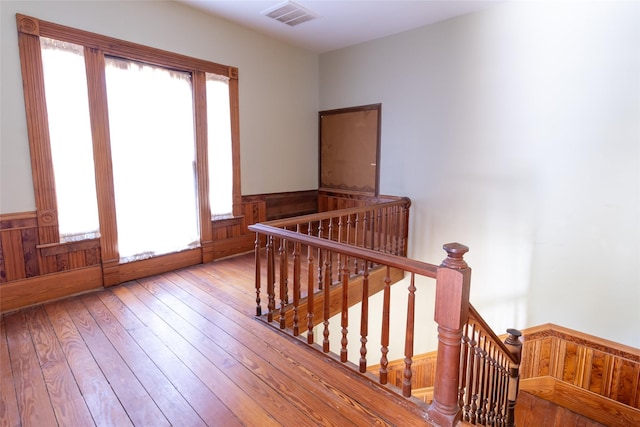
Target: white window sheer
x: 65, y: 82
x: 152, y: 143
x: 219, y: 146
x: 151, y: 125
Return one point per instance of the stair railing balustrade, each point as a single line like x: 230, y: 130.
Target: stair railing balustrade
x: 346, y: 256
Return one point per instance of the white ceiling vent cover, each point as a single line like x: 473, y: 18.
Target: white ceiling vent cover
x: 290, y: 13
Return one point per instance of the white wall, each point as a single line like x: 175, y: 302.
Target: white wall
x: 278, y: 88
x: 516, y: 131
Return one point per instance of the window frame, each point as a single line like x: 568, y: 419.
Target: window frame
x: 96, y: 46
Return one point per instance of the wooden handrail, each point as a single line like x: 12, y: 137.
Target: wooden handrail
x: 418, y: 267
x: 474, y: 315
x: 289, y: 222
x: 332, y: 243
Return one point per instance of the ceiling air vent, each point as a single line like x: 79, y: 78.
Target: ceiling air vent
x: 290, y: 13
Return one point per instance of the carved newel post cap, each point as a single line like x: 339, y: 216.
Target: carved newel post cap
x: 514, y: 333
x: 455, y: 255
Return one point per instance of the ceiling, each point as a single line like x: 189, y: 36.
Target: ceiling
x: 341, y: 23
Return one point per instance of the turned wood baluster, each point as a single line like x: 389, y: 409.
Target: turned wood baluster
x: 463, y: 387
x: 310, y: 291
x: 378, y: 227
x: 364, y: 318
x: 384, y: 246
x: 271, y: 279
x: 296, y: 286
x: 486, y: 390
x: 470, y: 392
x: 405, y: 229
x: 366, y: 226
x: 515, y: 347
x: 477, y: 375
x: 349, y: 241
x: 451, y: 313
x: 320, y: 278
x: 330, y: 237
x: 502, y: 391
x: 463, y: 366
x: 284, y: 292
x: 258, y: 275
x: 386, y: 303
x: 355, y: 241
x: 482, y: 401
x: 327, y: 300
x: 408, y: 342
x: 344, y: 319
x: 494, y: 383
x: 339, y: 240
x: 397, y: 220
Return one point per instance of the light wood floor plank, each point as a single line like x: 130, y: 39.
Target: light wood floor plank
x: 203, y: 400
x: 228, y: 392
x: 102, y: 402
x: 34, y: 403
x: 172, y: 404
x: 286, y: 371
x: 141, y: 409
x: 252, y: 387
x: 343, y: 387
x: 9, y: 415
x: 307, y: 409
x: 66, y: 399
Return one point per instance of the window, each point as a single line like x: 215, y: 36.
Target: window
x: 219, y: 135
x: 65, y: 84
x: 153, y: 158
x: 141, y: 141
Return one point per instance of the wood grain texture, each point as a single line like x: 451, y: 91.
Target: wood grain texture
x: 100, y: 398
x: 35, y: 290
x: 27, y: 375
x: 9, y: 414
x: 532, y: 411
x: 576, y: 399
x: 68, y: 405
x: 181, y: 348
x: 589, y: 363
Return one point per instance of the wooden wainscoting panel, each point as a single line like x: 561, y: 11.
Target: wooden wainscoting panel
x: 581, y: 401
x: 231, y: 236
x: 56, y: 257
x: 577, y: 370
x: 423, y: 379
x: 18, y: 241
x: 14, y: 265
x: 625, y: 382
x: 233, y: 246
x: 287, y: 204
x: 30, y: 252
x: 35, y: 290
x: 160, y: 264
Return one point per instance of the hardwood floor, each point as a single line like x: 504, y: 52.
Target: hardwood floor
x: 178, y: 349
x: 183, y: 349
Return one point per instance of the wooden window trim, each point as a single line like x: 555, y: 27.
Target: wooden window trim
x: 96, y: 47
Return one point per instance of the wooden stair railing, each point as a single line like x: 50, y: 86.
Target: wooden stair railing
x: 318, y: 253
x: 489, y: 373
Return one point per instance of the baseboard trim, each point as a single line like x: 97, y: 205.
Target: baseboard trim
x: 35, y: 290
x: 581, y: 401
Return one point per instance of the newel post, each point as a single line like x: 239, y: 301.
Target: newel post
x: 451, y: 313
x: 515, y: 347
